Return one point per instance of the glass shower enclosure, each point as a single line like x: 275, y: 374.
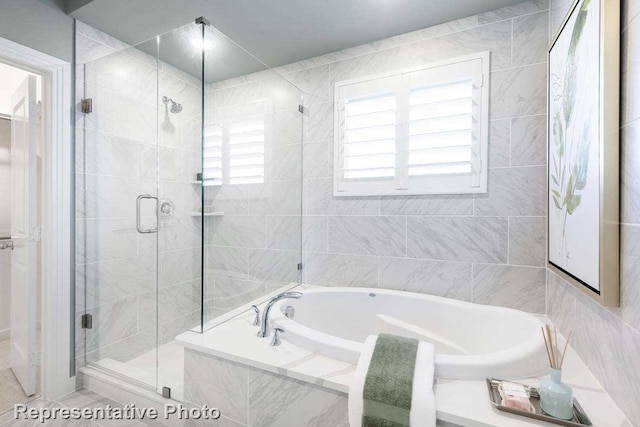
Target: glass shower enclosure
x: 188, y: 194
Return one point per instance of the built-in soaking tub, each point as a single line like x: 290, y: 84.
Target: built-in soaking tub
x: 472, y: 341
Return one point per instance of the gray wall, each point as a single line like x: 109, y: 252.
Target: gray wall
x: 40, y: 26
x: 608, y: 339
x: 487, y: 248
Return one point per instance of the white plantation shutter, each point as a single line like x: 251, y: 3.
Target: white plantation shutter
x: 246, y: 152
x: 367, y: 116
x: 212, y: 155
x: 234, y: 152
x: 419, y: 131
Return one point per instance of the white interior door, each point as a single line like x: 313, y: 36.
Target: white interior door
x: 24, y: 233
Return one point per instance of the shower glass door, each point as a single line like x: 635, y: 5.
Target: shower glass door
x: 117, y: 245
x: 139, y: 203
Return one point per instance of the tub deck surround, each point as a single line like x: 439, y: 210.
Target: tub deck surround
x: 463, y: 402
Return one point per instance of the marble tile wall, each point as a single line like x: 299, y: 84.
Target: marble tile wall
x: 255, y: 247
x: 487, y: 248
x: 127, y: 280
x: 608, y: 339
x: 247, y: 396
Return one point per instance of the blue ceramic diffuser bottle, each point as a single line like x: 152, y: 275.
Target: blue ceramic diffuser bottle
x: 556, y: 398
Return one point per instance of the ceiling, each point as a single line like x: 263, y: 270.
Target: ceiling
x: 277, y: 32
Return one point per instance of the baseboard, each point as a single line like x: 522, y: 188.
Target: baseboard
x: 5, y: 334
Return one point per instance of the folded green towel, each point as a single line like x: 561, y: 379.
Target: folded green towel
x: 388, y: 386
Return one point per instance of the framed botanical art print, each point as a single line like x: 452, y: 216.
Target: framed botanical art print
x: 583, y: 135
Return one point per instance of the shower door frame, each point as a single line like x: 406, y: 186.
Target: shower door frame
x: 58, y: 370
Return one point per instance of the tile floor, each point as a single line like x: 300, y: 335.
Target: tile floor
x: 79, y: 399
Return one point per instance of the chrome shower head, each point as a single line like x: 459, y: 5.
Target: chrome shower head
x: 175, y: 107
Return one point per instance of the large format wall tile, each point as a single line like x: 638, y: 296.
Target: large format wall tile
x: 231, y: 293
x: 518, y: 91
x: 314, y: 83
x: 284, y: 232
x: 111, y: 323
x: 320, y: 201
x: 318, y: 122
x: 276, y: 401
x: 274, y: 267
x: 276, y: 198
x: 179, y: 266
x: 229, y: 199
x: 283, y: 162
x: 105, y: 239
x: 315, y: 157
x: 224, y: 261
x: 630, y: 173
x: 530, y: 36
x: 495, y: 38
x: 514, y: 191
x: 456, y: 204
x: 340, y: 270
x: 529, y: 141
x: 373, y: 63
x: 217, y: 383
x: 384, y: 236
x: 458, y: 238
x: 441, y: 278
x: 499, y: 143
x: 110, y: 281
x: 286, y: 128
x: 527, y: 241
x: 598, y: 331
x: 561, y: 303
x: 240, y: 231
x: 522, y: 288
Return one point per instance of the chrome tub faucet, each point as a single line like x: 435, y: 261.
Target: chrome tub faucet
x: 264, y: 322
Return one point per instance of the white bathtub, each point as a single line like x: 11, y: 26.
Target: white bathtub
x: 472, y: 341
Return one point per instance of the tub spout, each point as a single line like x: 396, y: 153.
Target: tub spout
x: 264, y: 323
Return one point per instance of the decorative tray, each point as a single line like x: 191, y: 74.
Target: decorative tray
x: 580, y: 418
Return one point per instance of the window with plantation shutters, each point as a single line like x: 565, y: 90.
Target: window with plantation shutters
x: 234, y: 152
x: 417, y: 131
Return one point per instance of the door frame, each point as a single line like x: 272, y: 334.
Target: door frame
x: 57, y: 313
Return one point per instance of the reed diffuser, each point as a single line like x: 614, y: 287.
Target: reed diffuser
x: 556, y: 398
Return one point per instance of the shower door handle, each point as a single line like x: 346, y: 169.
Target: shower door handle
x: 138, y: 216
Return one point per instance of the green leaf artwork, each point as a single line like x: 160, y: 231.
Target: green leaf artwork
x: 570, y: 139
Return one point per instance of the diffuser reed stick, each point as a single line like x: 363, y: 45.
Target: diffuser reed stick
x: 556, y: 358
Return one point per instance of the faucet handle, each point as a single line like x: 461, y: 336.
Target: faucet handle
x: 256, y: 320
x: 276, y: 341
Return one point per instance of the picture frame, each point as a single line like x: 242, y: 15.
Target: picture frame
x: 583, y: 220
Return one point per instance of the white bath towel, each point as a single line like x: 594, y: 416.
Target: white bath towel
x: 423, y: 400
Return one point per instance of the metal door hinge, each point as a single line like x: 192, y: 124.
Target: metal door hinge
x: 299, y: 266
x: 301, y: 109
x: 86, y: 105
x: 166, y: 392
x: 87, y: 321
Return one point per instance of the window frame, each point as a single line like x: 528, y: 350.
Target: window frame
x: 402, y: 144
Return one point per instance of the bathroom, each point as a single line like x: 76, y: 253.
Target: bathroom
x: 241, y: 220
